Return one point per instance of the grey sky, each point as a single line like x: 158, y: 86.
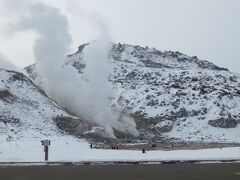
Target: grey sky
x: 209, y: 29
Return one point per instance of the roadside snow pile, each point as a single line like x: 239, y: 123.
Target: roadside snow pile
x: 74, y: 150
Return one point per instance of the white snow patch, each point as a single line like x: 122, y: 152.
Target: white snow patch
x: 69, y: 149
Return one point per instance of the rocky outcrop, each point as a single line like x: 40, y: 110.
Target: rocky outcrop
x: 224, y: 123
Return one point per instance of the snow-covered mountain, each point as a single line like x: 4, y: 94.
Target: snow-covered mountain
x: 26, y: 112
x: 170, y: 94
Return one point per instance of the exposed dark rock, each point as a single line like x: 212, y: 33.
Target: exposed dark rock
x: 79, y: 66
x: 71, y: 125
x: 176, y: 103
x: 224, y: 123
x: 176, y: 86
x: 7, y: 118
x: 153, y: 102
x: 233, y: 79
x: 18, y: 77
x: 194, y: 79
x: 164, y: 128
x: 5, y: 95
x: 81, y: 47
x: 79, y: 127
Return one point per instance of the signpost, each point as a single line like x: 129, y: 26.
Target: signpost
x: 46, y: 143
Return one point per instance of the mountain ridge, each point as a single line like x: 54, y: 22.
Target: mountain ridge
x: 171, y: 95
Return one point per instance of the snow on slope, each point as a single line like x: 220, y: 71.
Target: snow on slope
x: 26, y: 112
x: 172, y: 95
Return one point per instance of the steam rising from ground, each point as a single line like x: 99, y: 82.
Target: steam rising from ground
x: 86, y: 96
x: 5, y: 63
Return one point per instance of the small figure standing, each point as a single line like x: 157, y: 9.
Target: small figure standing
x: 153, y: 145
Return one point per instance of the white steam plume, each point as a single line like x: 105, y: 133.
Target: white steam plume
x: 5, y: 63
x: 85, y: 97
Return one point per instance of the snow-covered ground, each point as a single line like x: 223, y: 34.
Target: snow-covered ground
x: 69, y: 149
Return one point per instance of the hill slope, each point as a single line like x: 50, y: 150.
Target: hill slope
x: 26, y: 112
x: 171, y: 95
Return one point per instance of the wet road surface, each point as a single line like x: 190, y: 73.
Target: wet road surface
x: 124, y: 172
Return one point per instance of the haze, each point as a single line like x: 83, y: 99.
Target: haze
x: 208, y: 29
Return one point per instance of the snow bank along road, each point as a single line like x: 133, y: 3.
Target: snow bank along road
x: 71, y: 150
x: 126, y: 172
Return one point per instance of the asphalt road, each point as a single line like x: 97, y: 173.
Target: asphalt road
x: 124, y: 172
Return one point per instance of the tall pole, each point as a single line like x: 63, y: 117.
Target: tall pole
x: 46, y: 144
x: 46, y: 153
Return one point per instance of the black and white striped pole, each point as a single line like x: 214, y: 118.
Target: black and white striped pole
x: 46, y: 144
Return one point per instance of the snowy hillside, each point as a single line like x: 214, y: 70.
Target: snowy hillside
x: 172, y: 95
x: 26, y: 112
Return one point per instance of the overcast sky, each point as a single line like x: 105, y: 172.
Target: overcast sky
x: 209, y: 29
